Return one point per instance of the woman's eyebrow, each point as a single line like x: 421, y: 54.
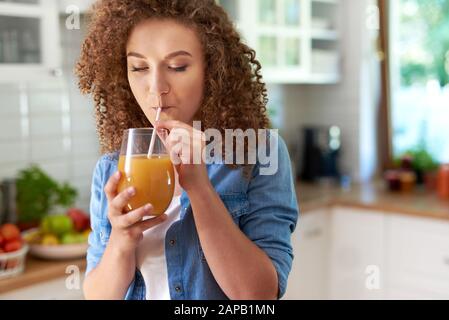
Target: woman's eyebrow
x: 177, y: 53
x: 169, y: 56
x: 136, y: 55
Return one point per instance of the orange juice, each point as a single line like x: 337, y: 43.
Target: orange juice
x: 153, y: 179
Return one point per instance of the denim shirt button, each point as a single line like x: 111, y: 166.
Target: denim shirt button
x: 172, y: 242
x: 178, y: 289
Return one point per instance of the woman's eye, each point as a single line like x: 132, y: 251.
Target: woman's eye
x: 135, y: 69
x: 179, y: 69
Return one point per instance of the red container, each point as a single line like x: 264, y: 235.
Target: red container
x: 443, y: 182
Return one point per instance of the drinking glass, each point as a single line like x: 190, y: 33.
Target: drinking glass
x: 151, y: 175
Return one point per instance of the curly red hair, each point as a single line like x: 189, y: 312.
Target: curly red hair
x: 235, y: 96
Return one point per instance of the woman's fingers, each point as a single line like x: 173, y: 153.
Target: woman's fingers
x: 110, y: 189
x: 134, y: 216
x: 148, y: 224
x: 122, y: 200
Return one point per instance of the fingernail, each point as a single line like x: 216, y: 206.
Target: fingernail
x: 117, y: 175
x: 148, y: 207
x: 131, y: 191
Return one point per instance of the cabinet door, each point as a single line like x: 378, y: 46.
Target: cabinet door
x: 310, y: 243
x: 357, y: 254
x: 51, y: 290
x: 418, y: 258
x: 29, y: 40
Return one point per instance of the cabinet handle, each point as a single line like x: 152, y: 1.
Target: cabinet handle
x: 56, y: 72
x: 313, y: 233
x: 446, y: 261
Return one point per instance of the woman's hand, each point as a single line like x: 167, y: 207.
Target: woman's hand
x: 127, y: 228
x: 185, y: 146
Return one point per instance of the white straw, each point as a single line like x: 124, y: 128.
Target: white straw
x: 153, y: 137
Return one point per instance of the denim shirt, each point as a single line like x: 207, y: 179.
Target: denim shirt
x: 264, y: 207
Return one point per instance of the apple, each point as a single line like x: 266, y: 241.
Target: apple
x: 10, y: 232
x: 79, y: 218
x: 56, y: 224
x: 2, y: 241
x: 13, y: 246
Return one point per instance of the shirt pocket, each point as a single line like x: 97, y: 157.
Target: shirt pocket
x: 237, y: 205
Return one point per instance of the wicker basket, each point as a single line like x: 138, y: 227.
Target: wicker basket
x: 12, y: 264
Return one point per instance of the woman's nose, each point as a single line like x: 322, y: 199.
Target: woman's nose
x: 158, y: 86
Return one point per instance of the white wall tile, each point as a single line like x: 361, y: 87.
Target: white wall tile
x: 83, y: 124
x: 9, y: 104
x: 11, y: 128
x: 83, y: 166
x: 46, y: 126
x: 45, y: 103
x: 13, y: 152
x: 85, y: 145
x: 58, y: 169
x: 48, y: 149
x: 9, y: 170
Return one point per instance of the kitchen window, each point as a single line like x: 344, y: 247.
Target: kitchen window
x: 419, y: 76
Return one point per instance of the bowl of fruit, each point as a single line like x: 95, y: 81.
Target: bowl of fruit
x: 60, y: 237
x: 13, y: 251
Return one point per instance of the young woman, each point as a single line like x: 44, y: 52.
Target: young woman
x: 226, y: 234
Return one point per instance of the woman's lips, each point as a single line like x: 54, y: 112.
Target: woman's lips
x: 164, y: 109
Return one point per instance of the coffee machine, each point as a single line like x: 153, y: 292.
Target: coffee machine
x: 320, y: 153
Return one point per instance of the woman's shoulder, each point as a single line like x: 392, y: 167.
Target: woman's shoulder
x: 110, y: 157
x: 107, y: 164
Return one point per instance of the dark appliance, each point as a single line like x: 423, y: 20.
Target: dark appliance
x: 320, y: 153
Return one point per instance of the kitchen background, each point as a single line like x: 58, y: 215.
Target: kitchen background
x: 325, y: 63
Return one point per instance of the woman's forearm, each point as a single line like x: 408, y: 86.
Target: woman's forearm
x: 241, y: 268
x: 112, y: 276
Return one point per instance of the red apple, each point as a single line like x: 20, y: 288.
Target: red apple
x: 2, y: 241
x: 13, y: 246
x: 10, y: 232
x: 80, y: 219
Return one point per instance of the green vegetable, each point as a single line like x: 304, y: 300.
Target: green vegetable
x: 38, y: 194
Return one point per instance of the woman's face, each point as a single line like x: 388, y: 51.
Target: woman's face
x: 166, y: 68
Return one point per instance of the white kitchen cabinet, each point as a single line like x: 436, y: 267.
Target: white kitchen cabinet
x: 67, y: 6
x: 51, y: 290
x: 296, y: 41
x: 308, y: 278
x: 29, y: 40
x: 418, y: 258
x: 352, y: 253
x: 356, y: 255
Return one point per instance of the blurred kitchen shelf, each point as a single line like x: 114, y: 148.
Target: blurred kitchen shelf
x: 296, y: 41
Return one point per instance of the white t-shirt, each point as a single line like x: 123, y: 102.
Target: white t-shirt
x: 151, y: 255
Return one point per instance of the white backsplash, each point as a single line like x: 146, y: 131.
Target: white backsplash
x: 39, y: 125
